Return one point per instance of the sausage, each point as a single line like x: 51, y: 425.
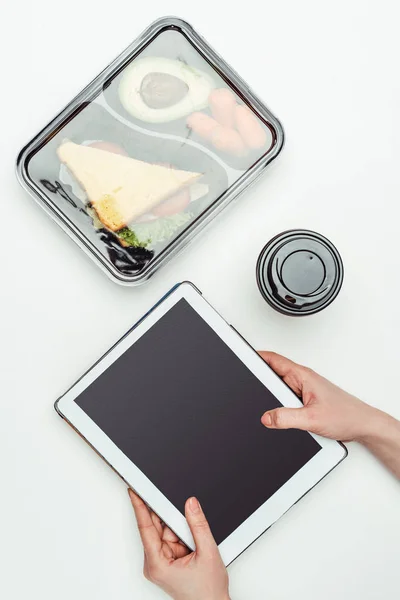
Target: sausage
x: 202, y: 124
x: 222, y: 103
x: 223, y: 138
x: 228, y: 140
x: 249, y: 128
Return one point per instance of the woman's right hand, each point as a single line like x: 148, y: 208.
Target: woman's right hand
x: 328, y: 410
x: 331, y: 412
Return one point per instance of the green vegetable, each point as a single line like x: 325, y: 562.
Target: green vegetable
x: 154, y: 232
x: 131, y: 238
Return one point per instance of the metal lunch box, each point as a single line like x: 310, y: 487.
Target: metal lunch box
x: 150, y: 151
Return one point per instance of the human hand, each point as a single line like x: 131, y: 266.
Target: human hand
x: 184, y: 575
x: 328, y: 410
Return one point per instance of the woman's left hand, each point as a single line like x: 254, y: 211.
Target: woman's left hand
x: 168, y: 563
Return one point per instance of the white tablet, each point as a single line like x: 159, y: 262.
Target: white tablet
x: 175, y: 406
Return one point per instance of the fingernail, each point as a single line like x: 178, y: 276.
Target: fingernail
x: 194, y: 505
x: 266, y: 419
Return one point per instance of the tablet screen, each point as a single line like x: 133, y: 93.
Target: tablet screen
x: 184, y: 408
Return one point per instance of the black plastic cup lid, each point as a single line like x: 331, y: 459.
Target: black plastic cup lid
x: 299, y: 272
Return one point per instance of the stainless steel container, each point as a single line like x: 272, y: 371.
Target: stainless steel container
x: 150, y: 151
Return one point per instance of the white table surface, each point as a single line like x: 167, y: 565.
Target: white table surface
x: 331, y: 73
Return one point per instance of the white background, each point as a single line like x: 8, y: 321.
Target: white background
x: 331, y: 73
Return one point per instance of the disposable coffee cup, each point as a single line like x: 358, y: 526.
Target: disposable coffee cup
x: 299, y: 272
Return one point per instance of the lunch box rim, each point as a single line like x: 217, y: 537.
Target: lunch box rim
x: 91, y: 91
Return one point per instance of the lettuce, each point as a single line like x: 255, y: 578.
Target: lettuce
x: 131, y: 238
x: 154, y: 232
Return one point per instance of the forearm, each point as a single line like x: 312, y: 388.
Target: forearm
x: 383, y: 440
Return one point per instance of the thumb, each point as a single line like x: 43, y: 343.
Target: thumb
x: 203, y: 538
x: 287, y: 418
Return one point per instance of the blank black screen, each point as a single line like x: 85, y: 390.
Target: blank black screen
x: 187, y: 411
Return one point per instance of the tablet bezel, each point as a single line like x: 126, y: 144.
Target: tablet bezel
x: 331, y: 453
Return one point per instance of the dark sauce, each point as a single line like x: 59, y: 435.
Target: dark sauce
x: 127, y: 260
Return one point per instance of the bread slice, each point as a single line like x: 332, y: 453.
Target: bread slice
x: 121, y: 188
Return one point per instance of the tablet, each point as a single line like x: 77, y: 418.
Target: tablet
x: 174, y: 408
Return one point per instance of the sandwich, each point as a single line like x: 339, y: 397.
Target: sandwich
x: 122, y: 189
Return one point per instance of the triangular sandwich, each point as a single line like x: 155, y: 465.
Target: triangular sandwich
x: 121, y: 188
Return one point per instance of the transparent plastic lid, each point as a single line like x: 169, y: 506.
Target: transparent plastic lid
x: 137, y: 162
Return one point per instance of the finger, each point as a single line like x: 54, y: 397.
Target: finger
x: 292, y: 374
x: 149, y: 535
x: 157, y: 523
x: 169, y: 535
x: 173, y: 545
x: 199, y: 527
x: 179, y: 549
x: 287, y: 418
x: 168, y: 551
x: 280, y: 364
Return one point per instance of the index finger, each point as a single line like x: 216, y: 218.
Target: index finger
x: 148, y: 532
x: 291, y: 373
x: 280, y: 364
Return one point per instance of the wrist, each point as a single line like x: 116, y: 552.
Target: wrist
x: 374, y: 427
